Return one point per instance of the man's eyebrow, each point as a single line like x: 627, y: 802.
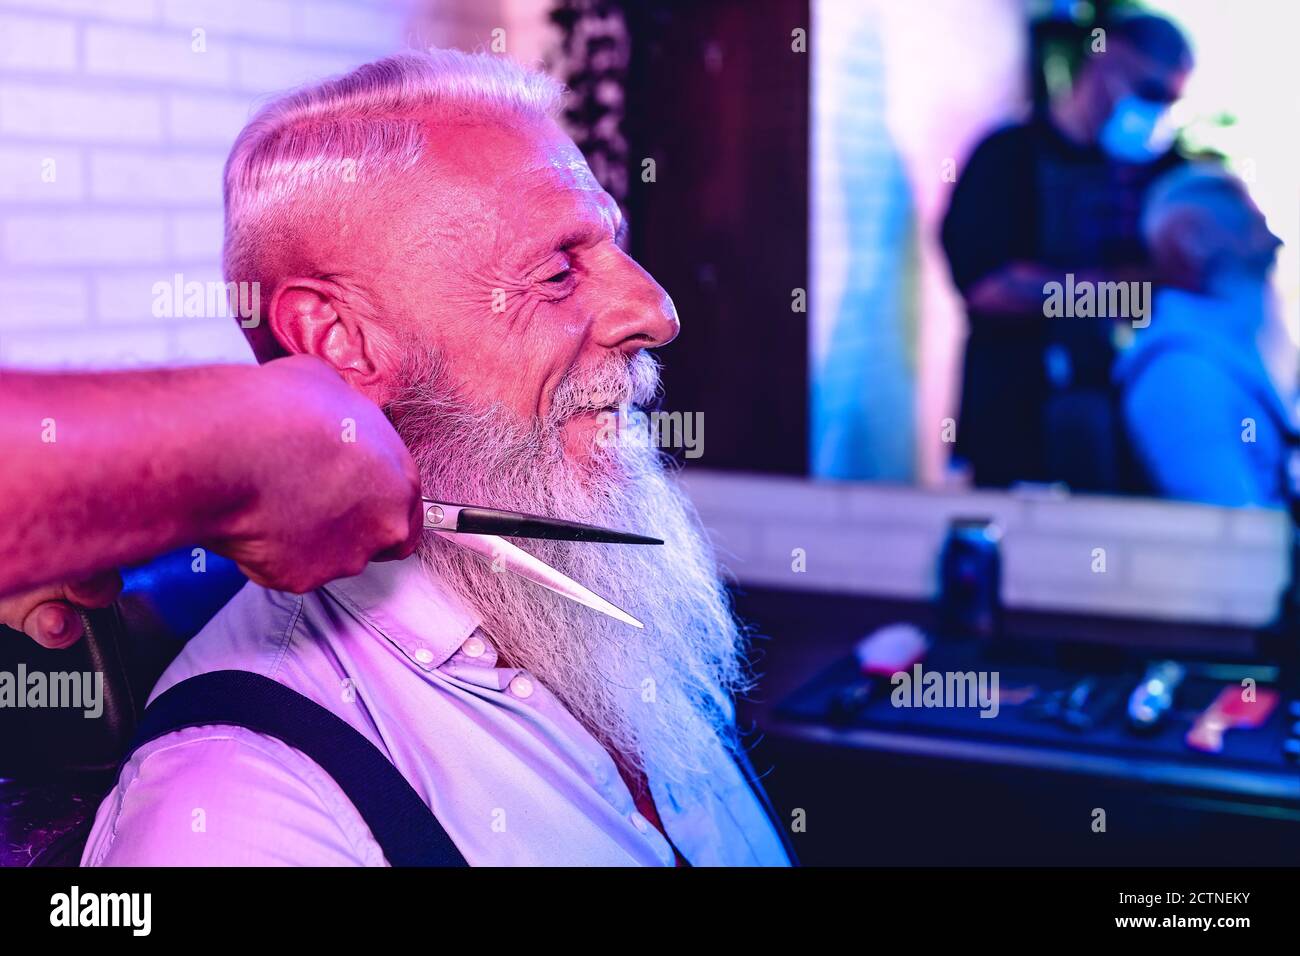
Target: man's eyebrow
x: 578, y: 236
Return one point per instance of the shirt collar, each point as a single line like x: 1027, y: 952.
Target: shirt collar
x: 409, y: 606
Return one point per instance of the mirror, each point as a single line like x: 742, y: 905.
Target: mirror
x: 1055, y: 243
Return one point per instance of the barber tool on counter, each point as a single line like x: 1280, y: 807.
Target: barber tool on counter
x: 1081, y: 706
x: 1291, y: 746
x: 1153, y: 698
x: 880, y: 655
x: 1233, y: 709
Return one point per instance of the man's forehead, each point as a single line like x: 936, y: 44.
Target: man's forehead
x: 510, y: 159
x: 503, y: 152
x: 556, y: 174
x: 516, y: 181
x: 562, y: 164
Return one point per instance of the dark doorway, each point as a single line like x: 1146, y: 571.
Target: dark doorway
x: 719, y: 99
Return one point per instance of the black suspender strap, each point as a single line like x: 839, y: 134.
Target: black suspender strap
x: 760, y: 794
x: 404, y: 827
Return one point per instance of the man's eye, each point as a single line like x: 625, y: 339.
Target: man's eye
x: 559, y: 276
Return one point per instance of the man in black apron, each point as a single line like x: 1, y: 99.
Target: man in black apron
x: 1058, y: 200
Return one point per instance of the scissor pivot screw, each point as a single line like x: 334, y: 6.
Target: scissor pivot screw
x: 433, y: 515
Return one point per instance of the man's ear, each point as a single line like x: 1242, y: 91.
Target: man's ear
x: 1197, y: 245
x: 307, y: 319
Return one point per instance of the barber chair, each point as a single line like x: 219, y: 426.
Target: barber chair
x: 56, y: 764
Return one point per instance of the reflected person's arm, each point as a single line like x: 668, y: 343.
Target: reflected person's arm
x: 1020, y: 288
x: 990, y: 234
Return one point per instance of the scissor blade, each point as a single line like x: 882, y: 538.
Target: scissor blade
x: 471, y: 519
x: 516, y: 559
x: 516, y: 525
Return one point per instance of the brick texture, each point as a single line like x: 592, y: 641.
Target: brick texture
x: 1108, y: 556
x: 115, y: 120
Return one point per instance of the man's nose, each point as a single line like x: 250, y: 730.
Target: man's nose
x: 636, y: 312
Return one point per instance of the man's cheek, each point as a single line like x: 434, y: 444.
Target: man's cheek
x: 527, y: 376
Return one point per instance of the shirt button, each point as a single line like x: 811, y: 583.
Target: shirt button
x: 424, y: 655
x: 474, y: 647
x: 640, y: 822
x: 521, y: 687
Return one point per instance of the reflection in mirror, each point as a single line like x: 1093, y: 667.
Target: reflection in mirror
x: 1054, y: 244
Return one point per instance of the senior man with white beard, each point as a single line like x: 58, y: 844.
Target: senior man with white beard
x: 426, y: 229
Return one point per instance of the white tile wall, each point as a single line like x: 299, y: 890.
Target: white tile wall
x: 138, y: 125
x: 1163, y: 560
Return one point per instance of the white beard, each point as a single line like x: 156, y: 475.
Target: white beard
x: 660, y: 697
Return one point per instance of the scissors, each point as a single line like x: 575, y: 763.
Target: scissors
x: 480, y: 530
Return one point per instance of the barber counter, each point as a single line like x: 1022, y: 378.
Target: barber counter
x: 1054, y: 775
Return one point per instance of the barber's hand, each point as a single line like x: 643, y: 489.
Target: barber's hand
x: 334, y: 487
x: 48, y: 615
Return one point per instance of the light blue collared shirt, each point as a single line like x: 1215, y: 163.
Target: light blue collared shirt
x: 509, y: 773
x: 1204, y: 417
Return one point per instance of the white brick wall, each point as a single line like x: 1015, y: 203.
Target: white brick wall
x: 37, y: 44
x: 1163, y: 560
x: 137, y: 125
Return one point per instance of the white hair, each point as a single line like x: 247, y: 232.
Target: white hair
x: 367, y: 125
x: 661, y: 697
x: 1203, y: 185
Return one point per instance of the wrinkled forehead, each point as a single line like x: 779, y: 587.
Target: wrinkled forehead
x: 517, y: 174
x: 555, y: 161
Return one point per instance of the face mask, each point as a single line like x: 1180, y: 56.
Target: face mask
x: 1137, y: 131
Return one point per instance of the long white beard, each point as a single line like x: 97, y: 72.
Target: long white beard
x: 660, y: 697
